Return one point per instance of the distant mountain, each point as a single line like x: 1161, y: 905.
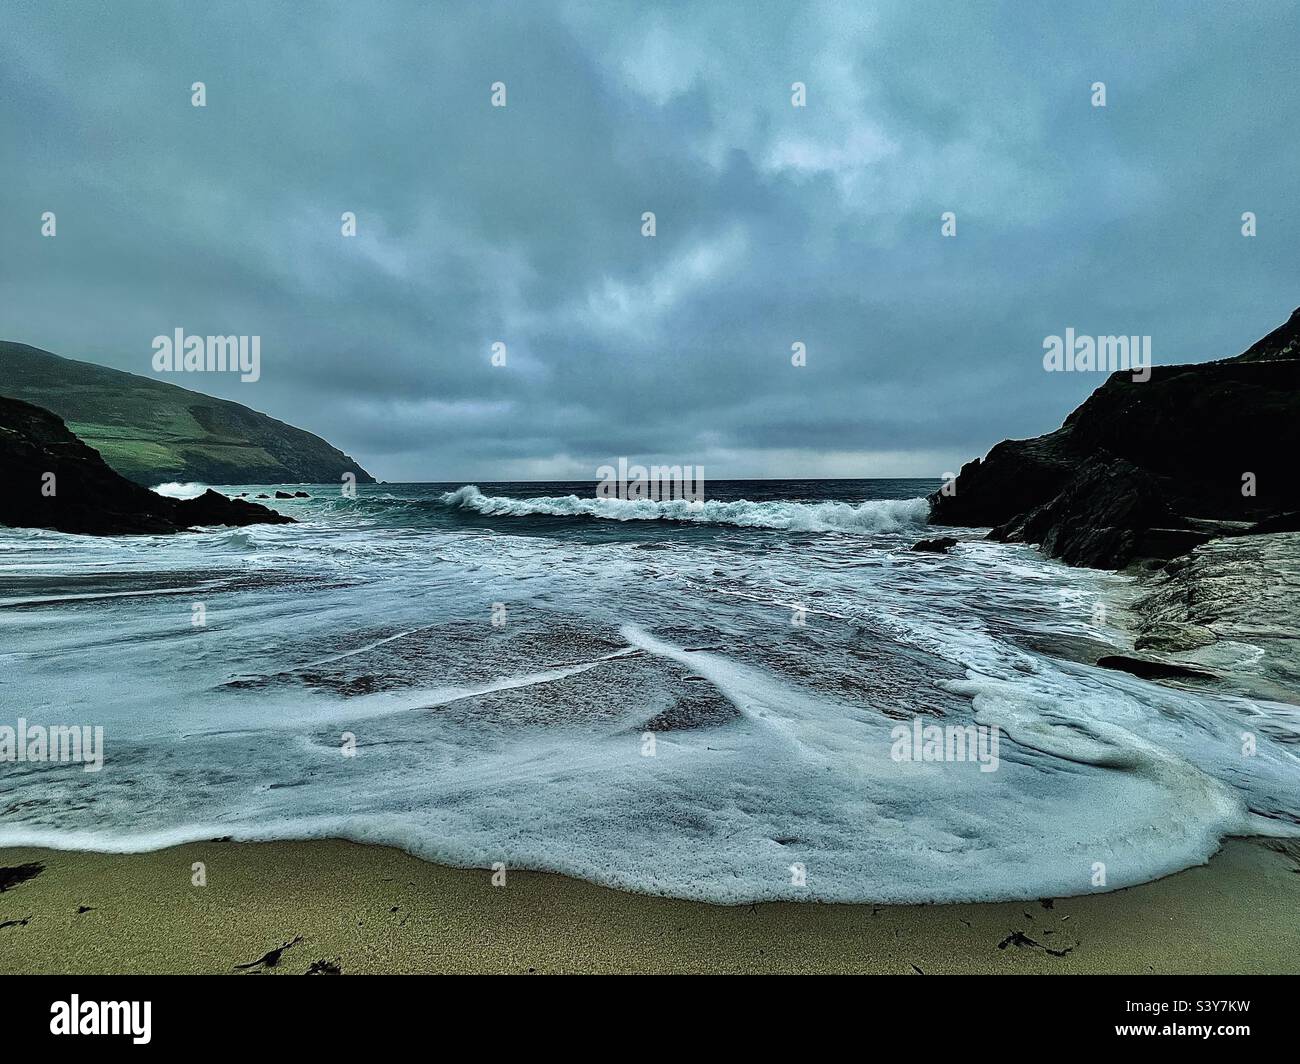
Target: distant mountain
x: 152, y: 432
x: 1148, y: 470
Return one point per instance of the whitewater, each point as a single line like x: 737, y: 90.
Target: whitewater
x: 660, y: 697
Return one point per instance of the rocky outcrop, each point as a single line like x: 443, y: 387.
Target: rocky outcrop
x: 1148, y: 470
x: 1109, y: 510
x: 1232, y: 608
x: 51, y: 479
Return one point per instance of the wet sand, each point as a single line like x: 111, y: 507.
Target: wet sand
x: 327, y: 905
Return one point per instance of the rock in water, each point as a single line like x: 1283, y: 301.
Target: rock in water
x: 1152, y: 669
x: 1168, y: 637
x: 936, y: 546
x: 50, y: 479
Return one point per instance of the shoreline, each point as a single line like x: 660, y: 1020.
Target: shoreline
x: 311, y: 907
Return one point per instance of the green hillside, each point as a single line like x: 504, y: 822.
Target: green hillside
x: 152, y: 432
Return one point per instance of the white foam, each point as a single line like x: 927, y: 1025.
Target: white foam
x: 1096, y: 767
x: 175, y: 490
x: 881, y: 515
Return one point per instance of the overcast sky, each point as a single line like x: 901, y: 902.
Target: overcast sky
x: 775, y: 224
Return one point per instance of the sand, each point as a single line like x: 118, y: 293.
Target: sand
x: 358, y: 909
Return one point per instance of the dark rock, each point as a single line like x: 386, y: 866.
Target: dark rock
x: 1287, y: 522
x: 1150, y: 669
x: 937, y: 546
x: 283, y: 495
x: 213, y: 508
x: 1099, y: 514
x: 88, y: 497
x: 1148, y: 469
x: 301, y: 495
x: 1282, y: 343
x: 1015, y: 477
x: 1110, y: 514
x: 1168, y: 637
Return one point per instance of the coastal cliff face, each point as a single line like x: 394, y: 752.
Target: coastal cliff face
x: 1148, y: 470
x: 51, y: 479
x: 153, y: 432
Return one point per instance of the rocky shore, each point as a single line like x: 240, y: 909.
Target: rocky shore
x: 1146, y: 471
x: 1230, y: 612
x: 50, y: 479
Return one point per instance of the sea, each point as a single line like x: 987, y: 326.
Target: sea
x: 715, y: 702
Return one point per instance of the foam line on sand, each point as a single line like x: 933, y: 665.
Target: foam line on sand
x: 324, y: 905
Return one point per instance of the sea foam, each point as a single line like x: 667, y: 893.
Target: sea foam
x: 175, y: 490
x: 880, y: 515
x: 524, y: 743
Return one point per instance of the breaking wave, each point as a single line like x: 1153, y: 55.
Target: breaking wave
x: 880, y: 515
x: 522, y: 742
x: 174, y: 490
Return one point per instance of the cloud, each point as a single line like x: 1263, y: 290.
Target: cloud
x: 775, y: 224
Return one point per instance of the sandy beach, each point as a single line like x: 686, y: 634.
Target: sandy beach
x: 329, y: 906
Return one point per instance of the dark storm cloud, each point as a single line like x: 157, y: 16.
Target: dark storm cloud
x: 522, y: 224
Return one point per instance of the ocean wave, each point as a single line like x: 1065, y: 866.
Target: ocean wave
x: 880, y: 515
x: 523, y: 742
x: 174, y: 490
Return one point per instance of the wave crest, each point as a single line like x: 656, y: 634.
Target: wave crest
x: 174, y: 490
x: 878, y: 515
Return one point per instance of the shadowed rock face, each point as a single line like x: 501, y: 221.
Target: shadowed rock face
x: 89, y: 497
x: 1148, y: 470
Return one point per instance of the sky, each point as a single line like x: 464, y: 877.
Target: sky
x: 775, y: 225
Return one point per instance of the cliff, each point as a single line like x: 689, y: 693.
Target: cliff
x: 51, y: 479
x: 1148, y: 470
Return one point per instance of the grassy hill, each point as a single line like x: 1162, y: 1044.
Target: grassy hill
x: 152, y: 432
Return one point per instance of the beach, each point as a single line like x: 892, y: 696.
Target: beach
x: 699, y: 778
x: 330, y: 906
x: 706, y: 709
